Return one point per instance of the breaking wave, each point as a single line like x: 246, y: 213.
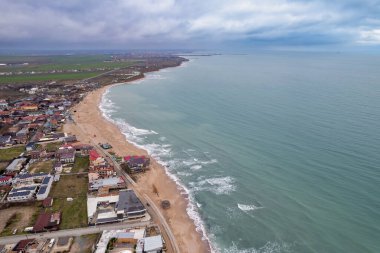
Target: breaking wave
x: 154, y: 76
x: 217, y: 185
x: 269, y: 247
x: 246, y: 208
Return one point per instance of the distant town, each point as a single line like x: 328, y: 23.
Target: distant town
x: 58, y: 194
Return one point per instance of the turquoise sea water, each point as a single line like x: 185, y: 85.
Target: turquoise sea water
x: 279, y: 152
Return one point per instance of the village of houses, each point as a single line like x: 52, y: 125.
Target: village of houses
x: 49, y: 181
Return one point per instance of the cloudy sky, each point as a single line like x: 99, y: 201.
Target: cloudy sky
x: 123, y: 24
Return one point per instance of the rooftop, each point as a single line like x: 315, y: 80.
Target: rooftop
x: 128, y: 202
x: 153, y: 243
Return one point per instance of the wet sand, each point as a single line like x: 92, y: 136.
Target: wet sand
x: 92, y: 126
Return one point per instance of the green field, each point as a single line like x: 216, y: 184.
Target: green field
x: 74, y: 213
x: 8, y: 154
x: 52, y: 146
x: 48, y: 77
x: 92, y: 65
x: 81, y: 164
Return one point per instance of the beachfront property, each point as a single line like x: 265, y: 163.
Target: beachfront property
x: 114, y: 208
x: 136, y: 163
x: 110, y: 183
x: 133, y: 240
x: 129, y: 205
x: 152, y: 244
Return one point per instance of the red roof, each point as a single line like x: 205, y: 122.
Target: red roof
x: 4, y: 179
x: 94, y: 155
x: 46, y: 221
x: 21, y: 245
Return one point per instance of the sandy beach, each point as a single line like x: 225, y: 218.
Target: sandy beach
x: 93, y: 127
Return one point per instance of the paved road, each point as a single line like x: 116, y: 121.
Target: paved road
x: 75, y: 231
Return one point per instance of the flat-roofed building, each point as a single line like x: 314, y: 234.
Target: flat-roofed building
x: 129, y: 205
x: 16, y: 165
x: 153, y: 244
x: 22, y: 194
x: 45, y: 187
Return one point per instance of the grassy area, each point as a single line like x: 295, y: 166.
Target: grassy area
x: 10, y: 224
x: 61, y: 62
x: 70, y: 186
x: 48, y: 77
x: 81, y: 164
x: 10, y: 153
x: 74, y: 213
x: 52, y: 146
x: 44, y: 167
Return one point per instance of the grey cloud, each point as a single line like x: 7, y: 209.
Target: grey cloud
x: 148, y: 22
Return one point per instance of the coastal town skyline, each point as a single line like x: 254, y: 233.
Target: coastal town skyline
x: 239, y: 25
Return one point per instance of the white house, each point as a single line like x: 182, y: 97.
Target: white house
x: 153, y: 244
x: 22, y: 194
x: 45, y: 187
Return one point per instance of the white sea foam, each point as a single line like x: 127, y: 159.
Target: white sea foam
x: 196, y: 167
x: 217, y: 185
x: 182, y: 173
x: 269, y: 247
x: 246, y: 208
x: 209, y: 162
x: 155, y: 76
x: 190, y: 162
x: 107, y: 106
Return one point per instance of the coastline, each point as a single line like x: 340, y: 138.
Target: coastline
x: 92, y: 126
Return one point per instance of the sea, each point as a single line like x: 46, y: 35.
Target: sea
x: 278, y: 151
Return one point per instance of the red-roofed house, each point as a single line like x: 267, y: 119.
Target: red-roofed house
x: 93, y: 155
x: 47, y: 222
x: 5, y: 180
x: 22, y: 246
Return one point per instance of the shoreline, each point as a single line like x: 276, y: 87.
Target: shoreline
x: 93, y: 126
